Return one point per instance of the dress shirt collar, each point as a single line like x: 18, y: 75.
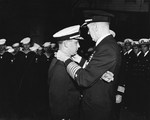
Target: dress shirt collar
x: 138, y: 53
x: 146, y: 53
x: 129, y: 51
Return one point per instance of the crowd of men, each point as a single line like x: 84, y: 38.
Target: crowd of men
x: 24, y: 87
x: 23, y: 84
x: 24, y: 68
x: 135, y: 75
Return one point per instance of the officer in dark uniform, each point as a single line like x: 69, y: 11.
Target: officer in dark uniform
x: 128, y: 60
x: 135, y: 78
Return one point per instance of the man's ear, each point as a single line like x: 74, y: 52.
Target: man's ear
x: 65, y: 44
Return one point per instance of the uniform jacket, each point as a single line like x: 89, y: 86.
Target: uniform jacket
x: 64, y: 94
x: 99, y: 96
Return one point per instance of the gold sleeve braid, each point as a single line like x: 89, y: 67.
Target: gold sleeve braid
x: 72, y: 68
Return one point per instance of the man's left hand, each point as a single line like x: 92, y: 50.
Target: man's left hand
x: 108, y: 76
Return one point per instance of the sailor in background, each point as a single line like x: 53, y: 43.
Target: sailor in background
x: 127, y: 62
x: 3, y: 89
x: 27, y: 80
x: 145, y: 75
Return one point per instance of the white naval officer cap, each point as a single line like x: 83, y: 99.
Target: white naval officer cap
x: 144, y: 41
x: 96, y: 16
x: 25, y: 40
x: 2, y: 41
x: 135, y: 43
x: 68, y: 33
x: 128, y: 41
x: 120, y: 43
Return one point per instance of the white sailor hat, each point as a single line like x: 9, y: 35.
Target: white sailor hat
x: 10, y: 50
x: 144, y: 41
x: 34, y: 47
x: 69, y: 33
x: 40, y: 48
x: 15, y: 45
x: 25, y: 40
x: 53, y: 45
x: 8, y: 47
x: 2, y: 41
x: 46, y: 44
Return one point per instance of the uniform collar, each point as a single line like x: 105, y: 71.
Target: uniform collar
x: 101, y: 38
x: 138, y: 53
x: 129, y: 51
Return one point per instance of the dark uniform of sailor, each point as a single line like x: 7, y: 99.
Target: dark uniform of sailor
x: 41, y: 86
x: 127, y: 69
x: 145, y: 70
x: 9, y: 80
x: 27, y: 80
x: 3, y: 89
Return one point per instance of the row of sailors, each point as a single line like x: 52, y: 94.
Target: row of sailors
x: 25, y: 46
x: 23, y: 83
x: 135, y: 75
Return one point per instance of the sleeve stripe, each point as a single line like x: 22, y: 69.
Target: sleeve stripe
x: 72, y: 68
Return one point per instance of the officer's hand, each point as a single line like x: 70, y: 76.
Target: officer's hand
x: 108, y: 76
x: 61, y: 56
x: 77, y: 58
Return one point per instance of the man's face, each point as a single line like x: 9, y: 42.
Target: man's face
x: 2, y: 47
x: 144, y: 48
x: 136, y: 49
x: 128, y: 46
x: 73, y: 46
x: 16, y: 48
x: 26, y: 46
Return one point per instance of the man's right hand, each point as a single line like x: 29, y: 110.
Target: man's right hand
x: 108, y: 76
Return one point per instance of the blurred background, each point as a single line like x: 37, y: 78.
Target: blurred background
x: 40, y: 19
